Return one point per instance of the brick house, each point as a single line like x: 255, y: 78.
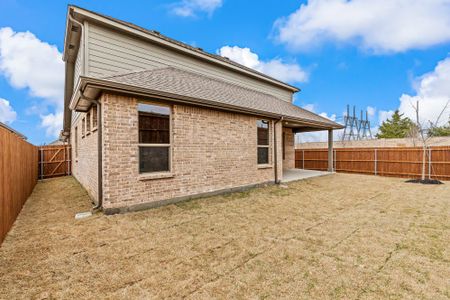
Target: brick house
x: 153, y: 121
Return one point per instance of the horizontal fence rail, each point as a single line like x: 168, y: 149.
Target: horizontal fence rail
x: 395, y: 162
x: 54, y: 161
x: 18, y: 176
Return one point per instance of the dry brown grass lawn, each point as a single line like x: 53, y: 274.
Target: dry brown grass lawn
x: 340, y: 236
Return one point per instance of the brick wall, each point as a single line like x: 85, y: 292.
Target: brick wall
x: 289, y: 159
x: 84, y: 166
x: 211, y: 150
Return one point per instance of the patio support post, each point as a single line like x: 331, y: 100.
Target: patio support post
x: 330, y: 150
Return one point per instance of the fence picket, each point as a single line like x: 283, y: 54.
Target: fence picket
x: 396, y: 162
x: 18, y: 176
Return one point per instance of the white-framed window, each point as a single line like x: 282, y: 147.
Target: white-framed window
x: 88, y: 122
x: 83, y: 127
x: 76, y: 141
x: 94, y: 117
x: 263, y: 141
x: 154, y: 138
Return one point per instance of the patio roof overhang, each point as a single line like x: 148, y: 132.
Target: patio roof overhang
x: 299, y: 127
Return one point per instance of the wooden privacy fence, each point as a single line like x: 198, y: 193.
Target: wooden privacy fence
x: 18, y: 176
x: 395, y: 162
x: 54, y: 161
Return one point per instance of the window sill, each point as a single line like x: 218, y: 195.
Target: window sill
x: 265, y: 166
x: 159, y: 175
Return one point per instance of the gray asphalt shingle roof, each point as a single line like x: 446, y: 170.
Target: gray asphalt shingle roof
x: 193, y: 85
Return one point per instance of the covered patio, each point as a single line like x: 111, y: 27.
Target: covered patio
x: 290, y: 172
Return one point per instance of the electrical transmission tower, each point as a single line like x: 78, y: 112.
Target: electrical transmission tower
x: 356, y: 129
x: 364, y: 126
x: 351, y: 126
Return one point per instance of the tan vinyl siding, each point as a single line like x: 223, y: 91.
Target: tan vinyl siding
x: 111, y: 52
x: 78, y: 68
x: 75, y: 117
x: 76, y: 75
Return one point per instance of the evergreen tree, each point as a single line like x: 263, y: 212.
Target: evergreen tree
x: 440, y: 131
x: 396, y: 126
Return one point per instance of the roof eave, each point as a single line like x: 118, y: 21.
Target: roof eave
x: 84, y: 85
x: 67, y: 34
x: 136, y: 30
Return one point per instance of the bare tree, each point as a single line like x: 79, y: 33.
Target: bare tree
x: 422, y: 131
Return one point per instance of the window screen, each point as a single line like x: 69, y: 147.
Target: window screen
x: 263, y: 141
x: 154, y: 138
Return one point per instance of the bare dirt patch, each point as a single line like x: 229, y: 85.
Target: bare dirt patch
x: 339, y: 236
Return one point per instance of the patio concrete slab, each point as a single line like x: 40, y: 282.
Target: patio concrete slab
x: 300, y: 174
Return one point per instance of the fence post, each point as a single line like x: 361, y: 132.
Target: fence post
x: 65, y: 160
x: 375, y: 162
x: 69, y: 159
x: 335, y: 160
x: 303, y: 159
x: 429, y: 163
x: 41, y: 162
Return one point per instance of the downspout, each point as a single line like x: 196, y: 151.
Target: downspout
x: 99, y: 152
x: 275, y: 151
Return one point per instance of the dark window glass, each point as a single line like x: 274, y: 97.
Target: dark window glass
x: 94, y: 116
x: 153, y: 159
x: 88, y: 122
x: 263, y: 155
x: 154, y: 128
x: 154, y: 124
x: 284, y: 145
x: 263, y: 132
x: 83, y: 127
x: 263, y: 141
x: 76, y: 141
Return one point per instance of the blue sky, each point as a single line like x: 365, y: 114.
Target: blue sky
x: 378, y: 54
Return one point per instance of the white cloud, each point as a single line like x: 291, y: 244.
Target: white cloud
x: 432, y: 92
x: 317, y: 136
x: 371, y: 111
x: 190, y: 8
x: 52, y: 123
x: 383, y: 115
x: 288, y: 72
x: 380, y: 26
x: 7, y: 113
x: 310, y: 107
x: 29, y: 63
